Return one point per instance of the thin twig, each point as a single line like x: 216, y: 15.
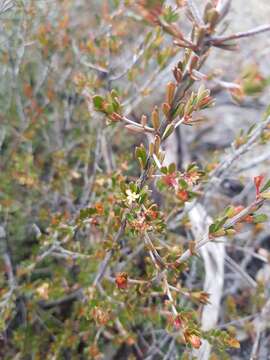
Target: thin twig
x: 237, y: 268
x: 258, y: 30
x: 229, y: 224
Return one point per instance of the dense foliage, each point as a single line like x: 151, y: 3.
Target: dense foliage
x: 103, y: 223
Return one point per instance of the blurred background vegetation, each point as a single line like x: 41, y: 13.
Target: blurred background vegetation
x: 57, y: 155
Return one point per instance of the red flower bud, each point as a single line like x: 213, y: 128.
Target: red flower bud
x: 193, y: 340
x: 177, y: 322
x: 170, y: 179
x: 249, y: 219
x: 121, y: 280
x: 258, y: 181
x: 182, y: 195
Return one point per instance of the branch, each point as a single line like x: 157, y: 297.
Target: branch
x: 260, y: 324
x: 229, y: 224
x: 89, y: 182
x: 6, y: 5
x: 216, y: 40
x: 131, y: 122
x: 238, y: 270
x: 136, y: 58
x: 12, y: 284
x: 226, y: 164
x: 183, y: 86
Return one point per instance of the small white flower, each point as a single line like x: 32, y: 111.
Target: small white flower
x: 131, y: 196
x: 43, y: 291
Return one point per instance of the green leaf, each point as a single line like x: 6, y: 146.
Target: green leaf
x: 133, y: 187
x: 183, y: 184
x: 123, y: 187
x: 168, y: 131
x: 116, y: 104
x: 170, y: 15
x: 191, y: 167
x: 140, y: 153
x: 148, y: 37
x: 164, y: 170
x: 172, y: 168
x: 266, y: 186
x: 192, y: 194
x: 109, y: 108
x: 217, y: 225
x: 229, y: 211
x: 98, y: 102
x: 260, y: 218
x: 222, y: 221
x: 179, y: 110
x: 251, y: 129
x: 142, y: 198
x: 213, y: 228
x: 87, y: 213
x: 130, y: 217
x: 114, y: 93
x: 267, y: 112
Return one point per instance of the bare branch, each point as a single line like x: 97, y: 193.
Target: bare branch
x: 220, y: 39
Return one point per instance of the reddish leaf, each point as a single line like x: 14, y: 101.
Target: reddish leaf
x: 258, y: 182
